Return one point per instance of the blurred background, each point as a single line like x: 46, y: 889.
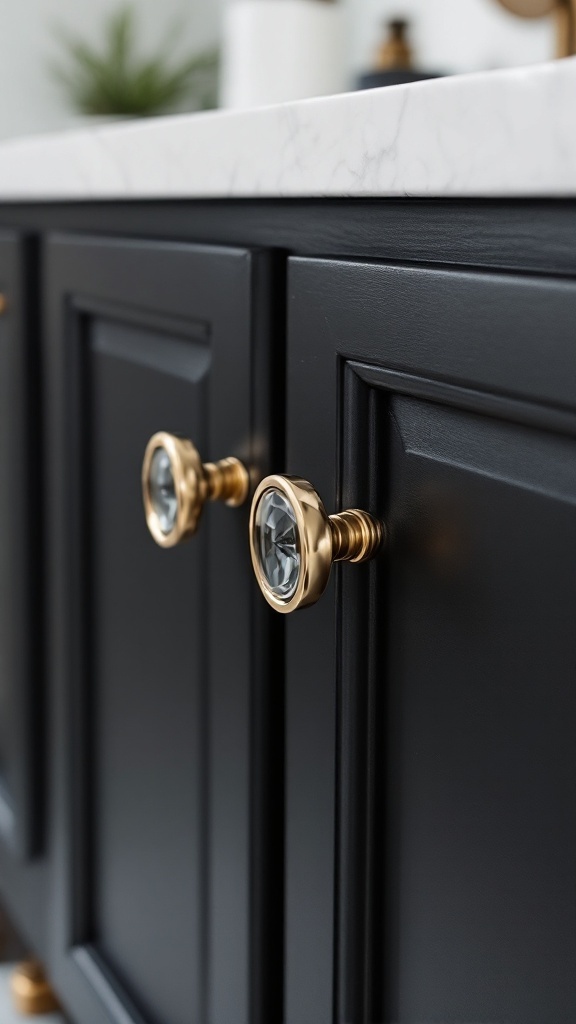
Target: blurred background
x: 49, y: 51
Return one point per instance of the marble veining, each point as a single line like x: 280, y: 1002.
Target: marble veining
x: 498, y: 133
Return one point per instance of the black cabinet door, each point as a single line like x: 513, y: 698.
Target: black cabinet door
x: 156, y: 655
x: 431, y: 705
x: 21, y: 699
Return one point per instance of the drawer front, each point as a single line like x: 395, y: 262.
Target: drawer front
x: 431, y: 768
x: 154, y: 662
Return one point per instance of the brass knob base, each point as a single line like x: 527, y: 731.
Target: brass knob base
x: 356, y: 535
x: 31, y: 991
x: 227, y: 481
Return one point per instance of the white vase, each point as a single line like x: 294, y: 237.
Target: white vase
x: 279, y: 50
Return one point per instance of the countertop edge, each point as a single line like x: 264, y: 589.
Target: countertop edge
x: 496, y: 134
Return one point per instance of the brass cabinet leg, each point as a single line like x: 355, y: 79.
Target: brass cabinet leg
x: 31, y: 990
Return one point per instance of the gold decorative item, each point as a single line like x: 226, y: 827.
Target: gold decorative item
x: 395, y: 52
x: 565, y: 12
x: 31, y: 990
x: 176, y: 484
x: 3, y: 303
x: 294, y: 542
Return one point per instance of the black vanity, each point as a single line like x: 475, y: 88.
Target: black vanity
x: 363, y: 812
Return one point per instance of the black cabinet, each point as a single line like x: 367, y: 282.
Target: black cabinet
x: 22, y: 697
x: 363, y: 811
x: 431, y: 768
x: 155, y: 654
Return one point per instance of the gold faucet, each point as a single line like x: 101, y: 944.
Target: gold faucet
x: 566, y: 16
x: 565, y: 13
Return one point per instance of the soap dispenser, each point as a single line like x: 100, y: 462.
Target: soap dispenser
x: 394, y: 61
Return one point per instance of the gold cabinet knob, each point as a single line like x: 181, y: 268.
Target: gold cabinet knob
x: 176, y: 484
x: 31, y: 991
x: 293, y: 541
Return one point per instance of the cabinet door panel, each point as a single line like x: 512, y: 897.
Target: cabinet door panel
x: 21, y: 637
x: 431, y: 774
x: 149, y: 673
x: 156, y: 654
x: 477, y: 872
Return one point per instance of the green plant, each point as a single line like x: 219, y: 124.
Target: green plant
x: 116, y: 80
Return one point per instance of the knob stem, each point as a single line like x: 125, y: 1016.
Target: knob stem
x: 356, y: 535
x: 228, y: 481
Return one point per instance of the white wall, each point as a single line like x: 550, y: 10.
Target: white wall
x: 451, y: 35
x: 29, y: 100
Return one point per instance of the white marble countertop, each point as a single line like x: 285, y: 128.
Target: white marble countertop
x: 498, y: 133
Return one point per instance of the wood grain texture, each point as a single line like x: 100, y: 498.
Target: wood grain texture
x: 531, y: 235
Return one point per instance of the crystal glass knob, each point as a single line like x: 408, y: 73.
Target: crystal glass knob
x: 176, y: 484
x: 293, y: 541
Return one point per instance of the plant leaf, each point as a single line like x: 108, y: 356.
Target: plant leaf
x: 115, y: 80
